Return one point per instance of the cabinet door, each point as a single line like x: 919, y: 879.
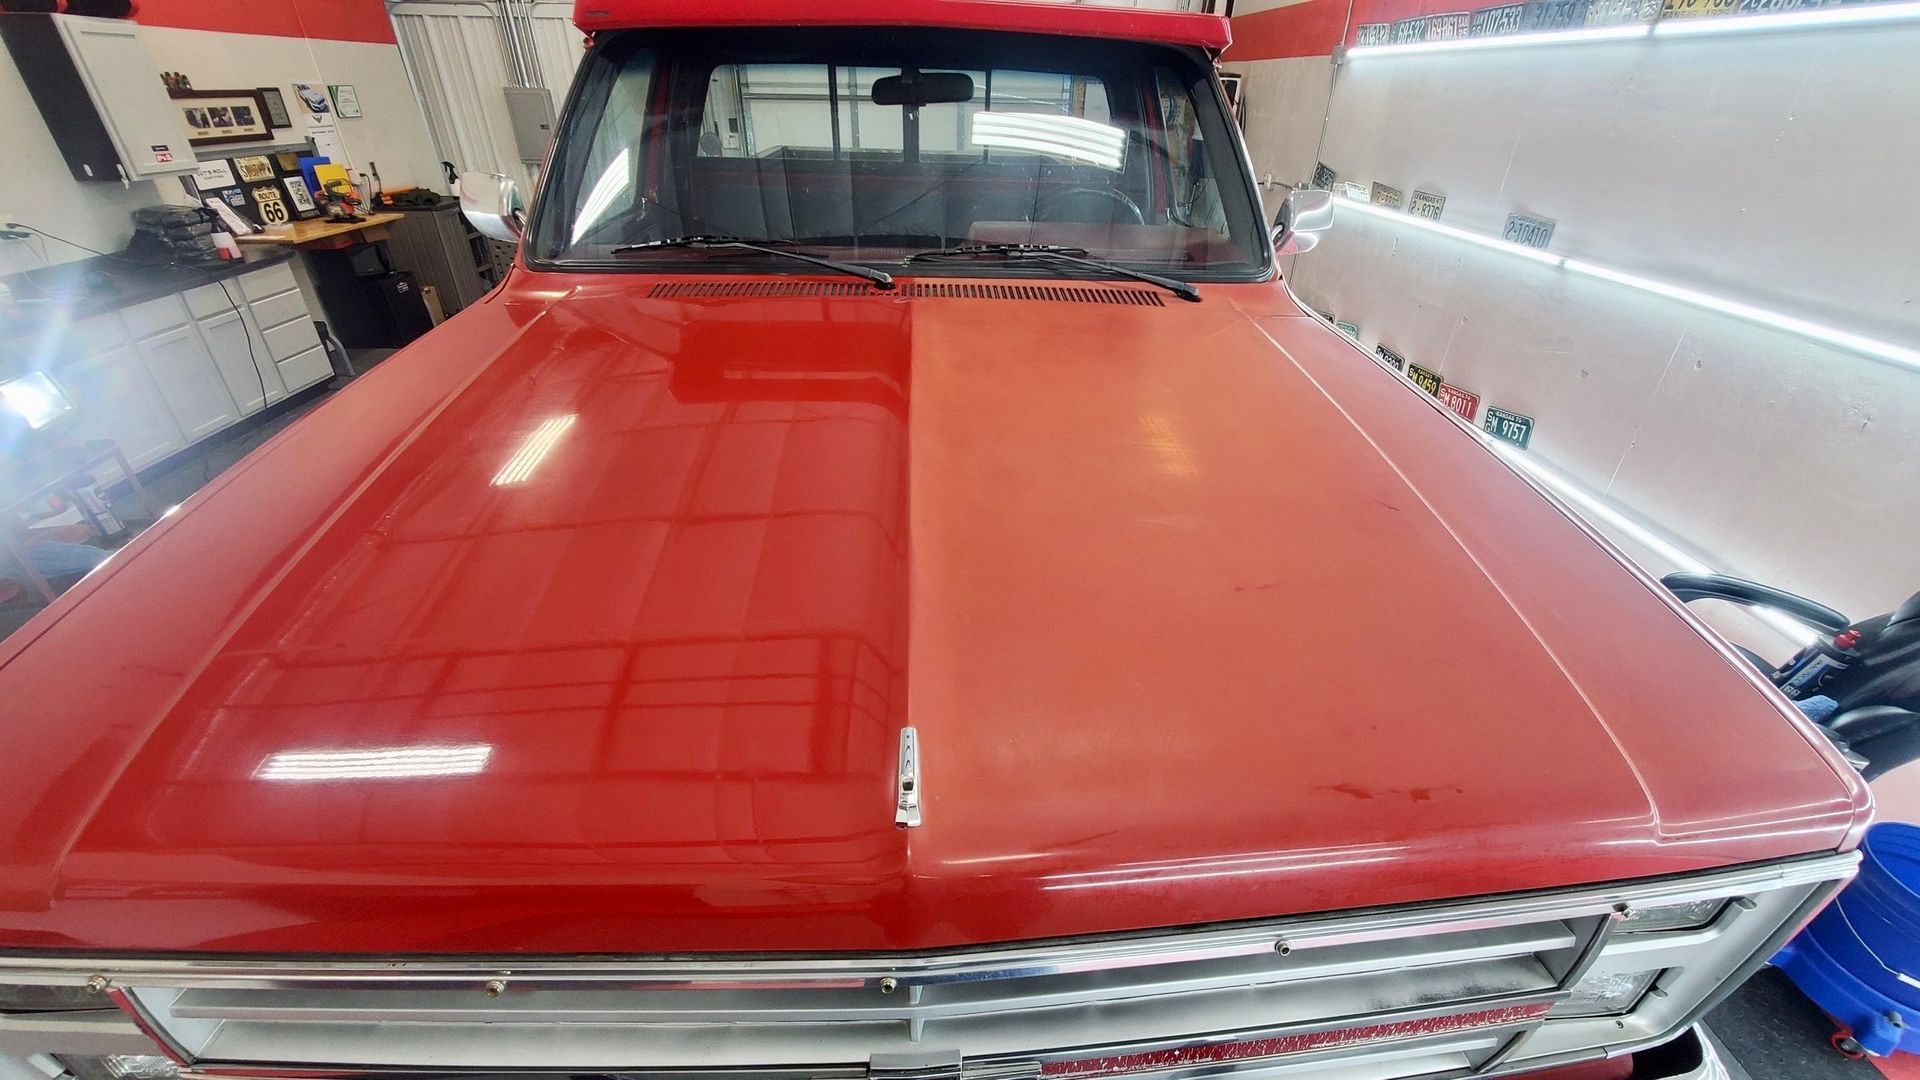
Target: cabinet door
x: 125, y: 84
x: 190, y: 384
x: 245, y: 366
x: 306, y: 369
x: 115, y: 398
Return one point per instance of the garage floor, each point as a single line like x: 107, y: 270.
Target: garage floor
x: 1768, y: 1030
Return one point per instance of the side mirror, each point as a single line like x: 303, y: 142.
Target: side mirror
x: 492, y: 203
x: 1302, y: 218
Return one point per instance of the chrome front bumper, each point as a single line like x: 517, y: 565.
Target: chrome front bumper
x: 1688, y: 1056
x: 1493, y: 986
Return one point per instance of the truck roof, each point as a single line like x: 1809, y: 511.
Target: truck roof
x: 1209, y: 32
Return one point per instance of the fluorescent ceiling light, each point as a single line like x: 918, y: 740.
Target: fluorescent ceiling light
x: 1505, y: 41
x: 1593, y: 508
x: 1844, y: 339
x: 533, y: 450
x: 1479, y: 239
x: 1072, y: 137
x: 1862, y: 14
x: 375, y: 763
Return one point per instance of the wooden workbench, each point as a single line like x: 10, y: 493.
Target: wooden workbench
x: 321, y: 234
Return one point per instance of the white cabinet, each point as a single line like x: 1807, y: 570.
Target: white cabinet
x: 125, y: 86
x: 306, y: 368
x: 277, y: 309
x: 159, y: 375
x: 116, y: 398
x: 244, y: 363
x: 190, y: 384
x: 100, y: 95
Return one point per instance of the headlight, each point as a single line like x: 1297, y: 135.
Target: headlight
x: 1687, y: 916
x: 121, y: 1067
x: 1606, y: 995
x: 51, y: 999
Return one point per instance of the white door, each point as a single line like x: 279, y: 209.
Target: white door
x: 115, y: 398
x: 190, y: 384
x: 245, y: 366
x: 146, y: 128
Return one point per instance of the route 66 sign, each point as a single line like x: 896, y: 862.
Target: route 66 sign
x: 273, y: 209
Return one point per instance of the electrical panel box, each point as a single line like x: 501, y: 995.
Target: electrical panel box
x: 101, y: 96
x: 531, y: 110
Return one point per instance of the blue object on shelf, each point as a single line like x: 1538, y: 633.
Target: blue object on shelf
x: 306, y: 170
x: 1860, y: 958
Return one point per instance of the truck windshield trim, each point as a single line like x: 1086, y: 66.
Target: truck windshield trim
x: 869, y: 146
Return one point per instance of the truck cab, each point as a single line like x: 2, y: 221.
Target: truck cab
x: 891, y: 585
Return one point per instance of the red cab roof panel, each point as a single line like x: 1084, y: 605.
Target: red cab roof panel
x: 1086, y: 20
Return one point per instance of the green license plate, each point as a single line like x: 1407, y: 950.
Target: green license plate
x: 1508, y: 426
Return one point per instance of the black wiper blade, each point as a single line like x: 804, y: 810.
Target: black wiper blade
x: 880, y: 278
x: 1071, y: 255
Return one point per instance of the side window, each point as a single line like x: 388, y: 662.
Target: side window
x: 612, y: 171
x: 797, y: 110
x: 1196, y: 192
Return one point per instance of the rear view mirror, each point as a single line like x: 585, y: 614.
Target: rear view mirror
x: 1302, y: 218
x: 918, y: 88
x: 492, y: 203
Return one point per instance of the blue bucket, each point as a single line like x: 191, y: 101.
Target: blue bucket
x: 1860, y: 958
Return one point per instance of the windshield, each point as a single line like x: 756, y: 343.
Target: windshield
x: 871, y: 146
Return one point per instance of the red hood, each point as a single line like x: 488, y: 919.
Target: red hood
x: 1200, y: 615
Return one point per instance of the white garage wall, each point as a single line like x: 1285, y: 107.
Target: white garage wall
x: 1286, y: 103
x: 389, y: 132
x: 458, y: 60
x: 1768, y: 168
x: 40, y: 191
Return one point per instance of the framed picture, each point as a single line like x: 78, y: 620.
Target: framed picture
x: 346, y: 103
x: 314, y: 97
x: 216, y: 117
x: 276, y: 103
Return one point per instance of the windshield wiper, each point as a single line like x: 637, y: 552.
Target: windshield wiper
x: 880, y: 278
x: 1071, y: 255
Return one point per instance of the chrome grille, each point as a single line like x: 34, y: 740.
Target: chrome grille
x: 1444, y: 989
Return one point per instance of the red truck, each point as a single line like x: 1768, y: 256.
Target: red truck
x: 891, y: 585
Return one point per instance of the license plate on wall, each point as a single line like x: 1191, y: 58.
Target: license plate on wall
x: 1488, y: 21
x: 1409, y: 31
x: 1463, y: 402
x: 1424, y: 379
x: 1425, y: 204
x: 1399, y: 362
x: 1382, y: 195
x: 1534, y: 232
x: 1508, y: 426
x: 1697, y: 9
x: 1553, y: 15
